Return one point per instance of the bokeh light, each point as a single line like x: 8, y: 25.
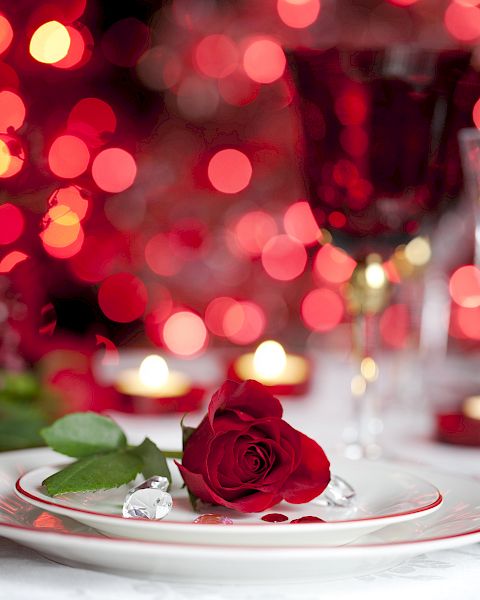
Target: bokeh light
x: 79, y: 51
x: 12, y: 111
x: 333, y: 264
x: 160, y: 68
x: 465, y: 286
x: 185, y: 334
x: 476, y: 114
x: 63, y: 235
x: 11, y: 223
x: 6, y: 34
x: 67, y: 250
x: 216, y: 56
x: 50, y: 43
x: 114, y: 170
x: 468, y: 321
x: 244, y: 322
x: 300, y: 223
x: 253, y: 230
x: 11, y: 260
x: 215, y: 314
x: 93, y: 120
x: 72, y: 198
x: 298, y: 13
x: 284, y: 258
x: 5, y: 158
x: 122, y: 297
x: 68, y: 156
x: 229, y: 171
x: 237, y: 89
x: 463, y: 22
x: 161, y: 255
x: 264, y: 61
x: 12, y: 156
x: 322, y: 309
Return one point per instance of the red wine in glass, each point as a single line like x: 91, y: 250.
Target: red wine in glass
x: 380, y: 137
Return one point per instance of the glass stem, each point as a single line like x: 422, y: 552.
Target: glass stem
x: 363, y: 438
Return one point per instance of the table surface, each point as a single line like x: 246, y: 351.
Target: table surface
x: 25, y: 574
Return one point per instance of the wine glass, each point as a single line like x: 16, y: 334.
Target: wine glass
x: 380, y: 159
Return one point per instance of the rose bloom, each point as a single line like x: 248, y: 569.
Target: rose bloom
x: 245, y: 456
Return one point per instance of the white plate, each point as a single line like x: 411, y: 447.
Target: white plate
x: 63, y: 540
x: 386, y: 495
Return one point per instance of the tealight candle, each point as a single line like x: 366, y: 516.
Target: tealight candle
x: 282, y: 373
x: 153, y: 388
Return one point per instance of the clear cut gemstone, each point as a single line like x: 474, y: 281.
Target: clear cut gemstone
x: 147, y: 503
x: 157, y: 482
x: 337, y: 493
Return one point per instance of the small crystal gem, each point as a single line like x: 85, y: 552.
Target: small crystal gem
x: 147, y: 503
x: 338, y: 493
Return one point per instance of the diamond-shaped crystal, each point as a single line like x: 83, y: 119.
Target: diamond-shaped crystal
x: 147, y: 503
x: 157, y: 482
x: 337, y: 493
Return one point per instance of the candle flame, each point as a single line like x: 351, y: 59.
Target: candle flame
x: 269, y: 360
x: 375, y: 276
x: 153, y: 371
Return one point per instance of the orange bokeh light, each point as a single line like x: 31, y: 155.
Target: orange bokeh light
x: 11, y: 223
x: 298, y: 13
x: 68, y: 250
x: 12, y: 111
x: 114, y: 170
x: 11, y: 260
x: 244, y: 322
x: 68, y: 157
x: 333, y: 264
x: 300, y: 223
x: 284, y: 258
x: 72, y: 198
x: 322, y: 309
x: 229, y: 171
x: 12, y: 156
x: 264, y: 61
x: 184, y: 333
x: 216, y: 56
x: 6, y: 34
x: 463, y: 22
x: 50, y: 43
x: 465, y: 286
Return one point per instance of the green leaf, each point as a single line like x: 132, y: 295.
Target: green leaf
x: 84, y: 434
x: 154, y: 462
x: 92, y: 473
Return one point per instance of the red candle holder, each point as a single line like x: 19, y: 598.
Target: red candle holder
x: 457, y: 428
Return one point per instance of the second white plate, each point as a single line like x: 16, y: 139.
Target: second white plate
x: 386, y: 495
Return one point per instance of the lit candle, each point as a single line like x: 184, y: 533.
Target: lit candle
x: 283, y: 373
x: 153, y: 388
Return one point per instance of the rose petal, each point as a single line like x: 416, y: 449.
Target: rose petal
x: 312, y: 475
x: 195, y: 449
x: 249, y: 398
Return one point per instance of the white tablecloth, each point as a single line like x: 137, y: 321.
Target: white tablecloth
x: 25, y: 575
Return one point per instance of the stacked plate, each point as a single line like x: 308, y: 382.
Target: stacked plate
x: 398, y: 513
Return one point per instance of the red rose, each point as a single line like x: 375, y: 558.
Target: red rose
x: 245, y: 456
